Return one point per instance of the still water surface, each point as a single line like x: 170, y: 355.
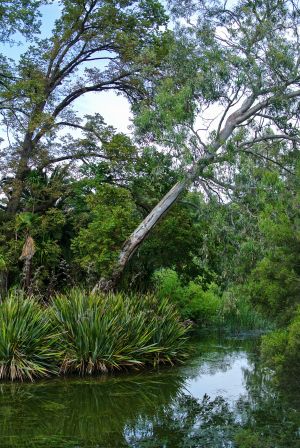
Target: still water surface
x: 221, y: 398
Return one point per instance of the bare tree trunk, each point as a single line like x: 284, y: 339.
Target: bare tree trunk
x: 139, y: 234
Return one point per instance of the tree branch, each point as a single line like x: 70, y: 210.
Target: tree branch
x: 271, y: 137
x: 275, y: 162
x: 76, y: 156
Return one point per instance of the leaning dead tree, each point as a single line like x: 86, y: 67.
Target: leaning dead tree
x: 240, y: 64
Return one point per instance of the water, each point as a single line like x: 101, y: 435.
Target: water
x: 221, y: 398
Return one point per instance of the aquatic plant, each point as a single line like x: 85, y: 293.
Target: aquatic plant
x: 237, y: 314
x: 28, y: 341
x: 106, y: 332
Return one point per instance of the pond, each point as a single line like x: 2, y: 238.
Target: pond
x: 220, y: 398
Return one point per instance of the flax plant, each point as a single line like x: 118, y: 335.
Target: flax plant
x: 28, y: 340
x: 100, y: 333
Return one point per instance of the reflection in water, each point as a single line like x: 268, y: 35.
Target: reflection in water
x: 221, y: 399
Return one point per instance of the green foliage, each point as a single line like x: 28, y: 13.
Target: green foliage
x: 87, y: 334
x: 293, y: 346
x: 19, y: 16
x: 206, y: 305
x: 237, y: 313
x: 274, y: 282
x: 281, y: 349
x: 273, y: 349
x: 250, y: 438
x: 202, y: 305
x: 28, y: 342
x: 192, y: 301
x: 2, y: 263
x: 181, y: 244
x: 168, y: 284
x: 101, y: 333
x: 112, y: 217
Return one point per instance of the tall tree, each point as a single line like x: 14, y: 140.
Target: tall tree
x: 96, y: 46
x: 232, y: 82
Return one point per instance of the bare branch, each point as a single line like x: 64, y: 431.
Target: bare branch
x: 271, y: 137
x: 75, y: 156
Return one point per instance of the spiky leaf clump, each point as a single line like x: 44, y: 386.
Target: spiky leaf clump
x: 101, y: 333
x: 28, y: 343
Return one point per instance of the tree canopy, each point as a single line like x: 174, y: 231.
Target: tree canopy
x: 95, y: 46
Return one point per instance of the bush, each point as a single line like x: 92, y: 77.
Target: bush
x: 206, y: 305
x: 101, y: 333
x: 192, y: 301
x: 273, y: 347
x: 281, y: 349
x: 202, y: 305
x: 293, y: 346
x: 28, y: 343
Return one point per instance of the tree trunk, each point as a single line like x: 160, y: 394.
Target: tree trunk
x: 21, y: 173
x: 142, y: 231
x: 139, y: 234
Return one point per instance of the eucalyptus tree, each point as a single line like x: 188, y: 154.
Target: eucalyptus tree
x: 95, y: 46
x: 232, y: 83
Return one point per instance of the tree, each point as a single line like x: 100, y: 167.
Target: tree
x: 239, y: 63
x: 19, y: 15
x: 273, y: 284
x: 96, y: 45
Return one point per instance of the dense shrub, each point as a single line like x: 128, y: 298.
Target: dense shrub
x: 274, y: 286
x: 207, y: 305
x: 273, y: 349
x: 293, y: 346
x: 202, y: 305
x: 101, y: 333
x: 28, y: 343
x: 281, y: 349
x: 193, y: 301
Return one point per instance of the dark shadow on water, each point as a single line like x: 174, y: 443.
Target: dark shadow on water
x: 221, y: 398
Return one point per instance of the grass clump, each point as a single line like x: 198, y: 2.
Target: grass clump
x: 236, y: 313
x: 28, y: 343
x: 106, y: 332
x: 87, y: 334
